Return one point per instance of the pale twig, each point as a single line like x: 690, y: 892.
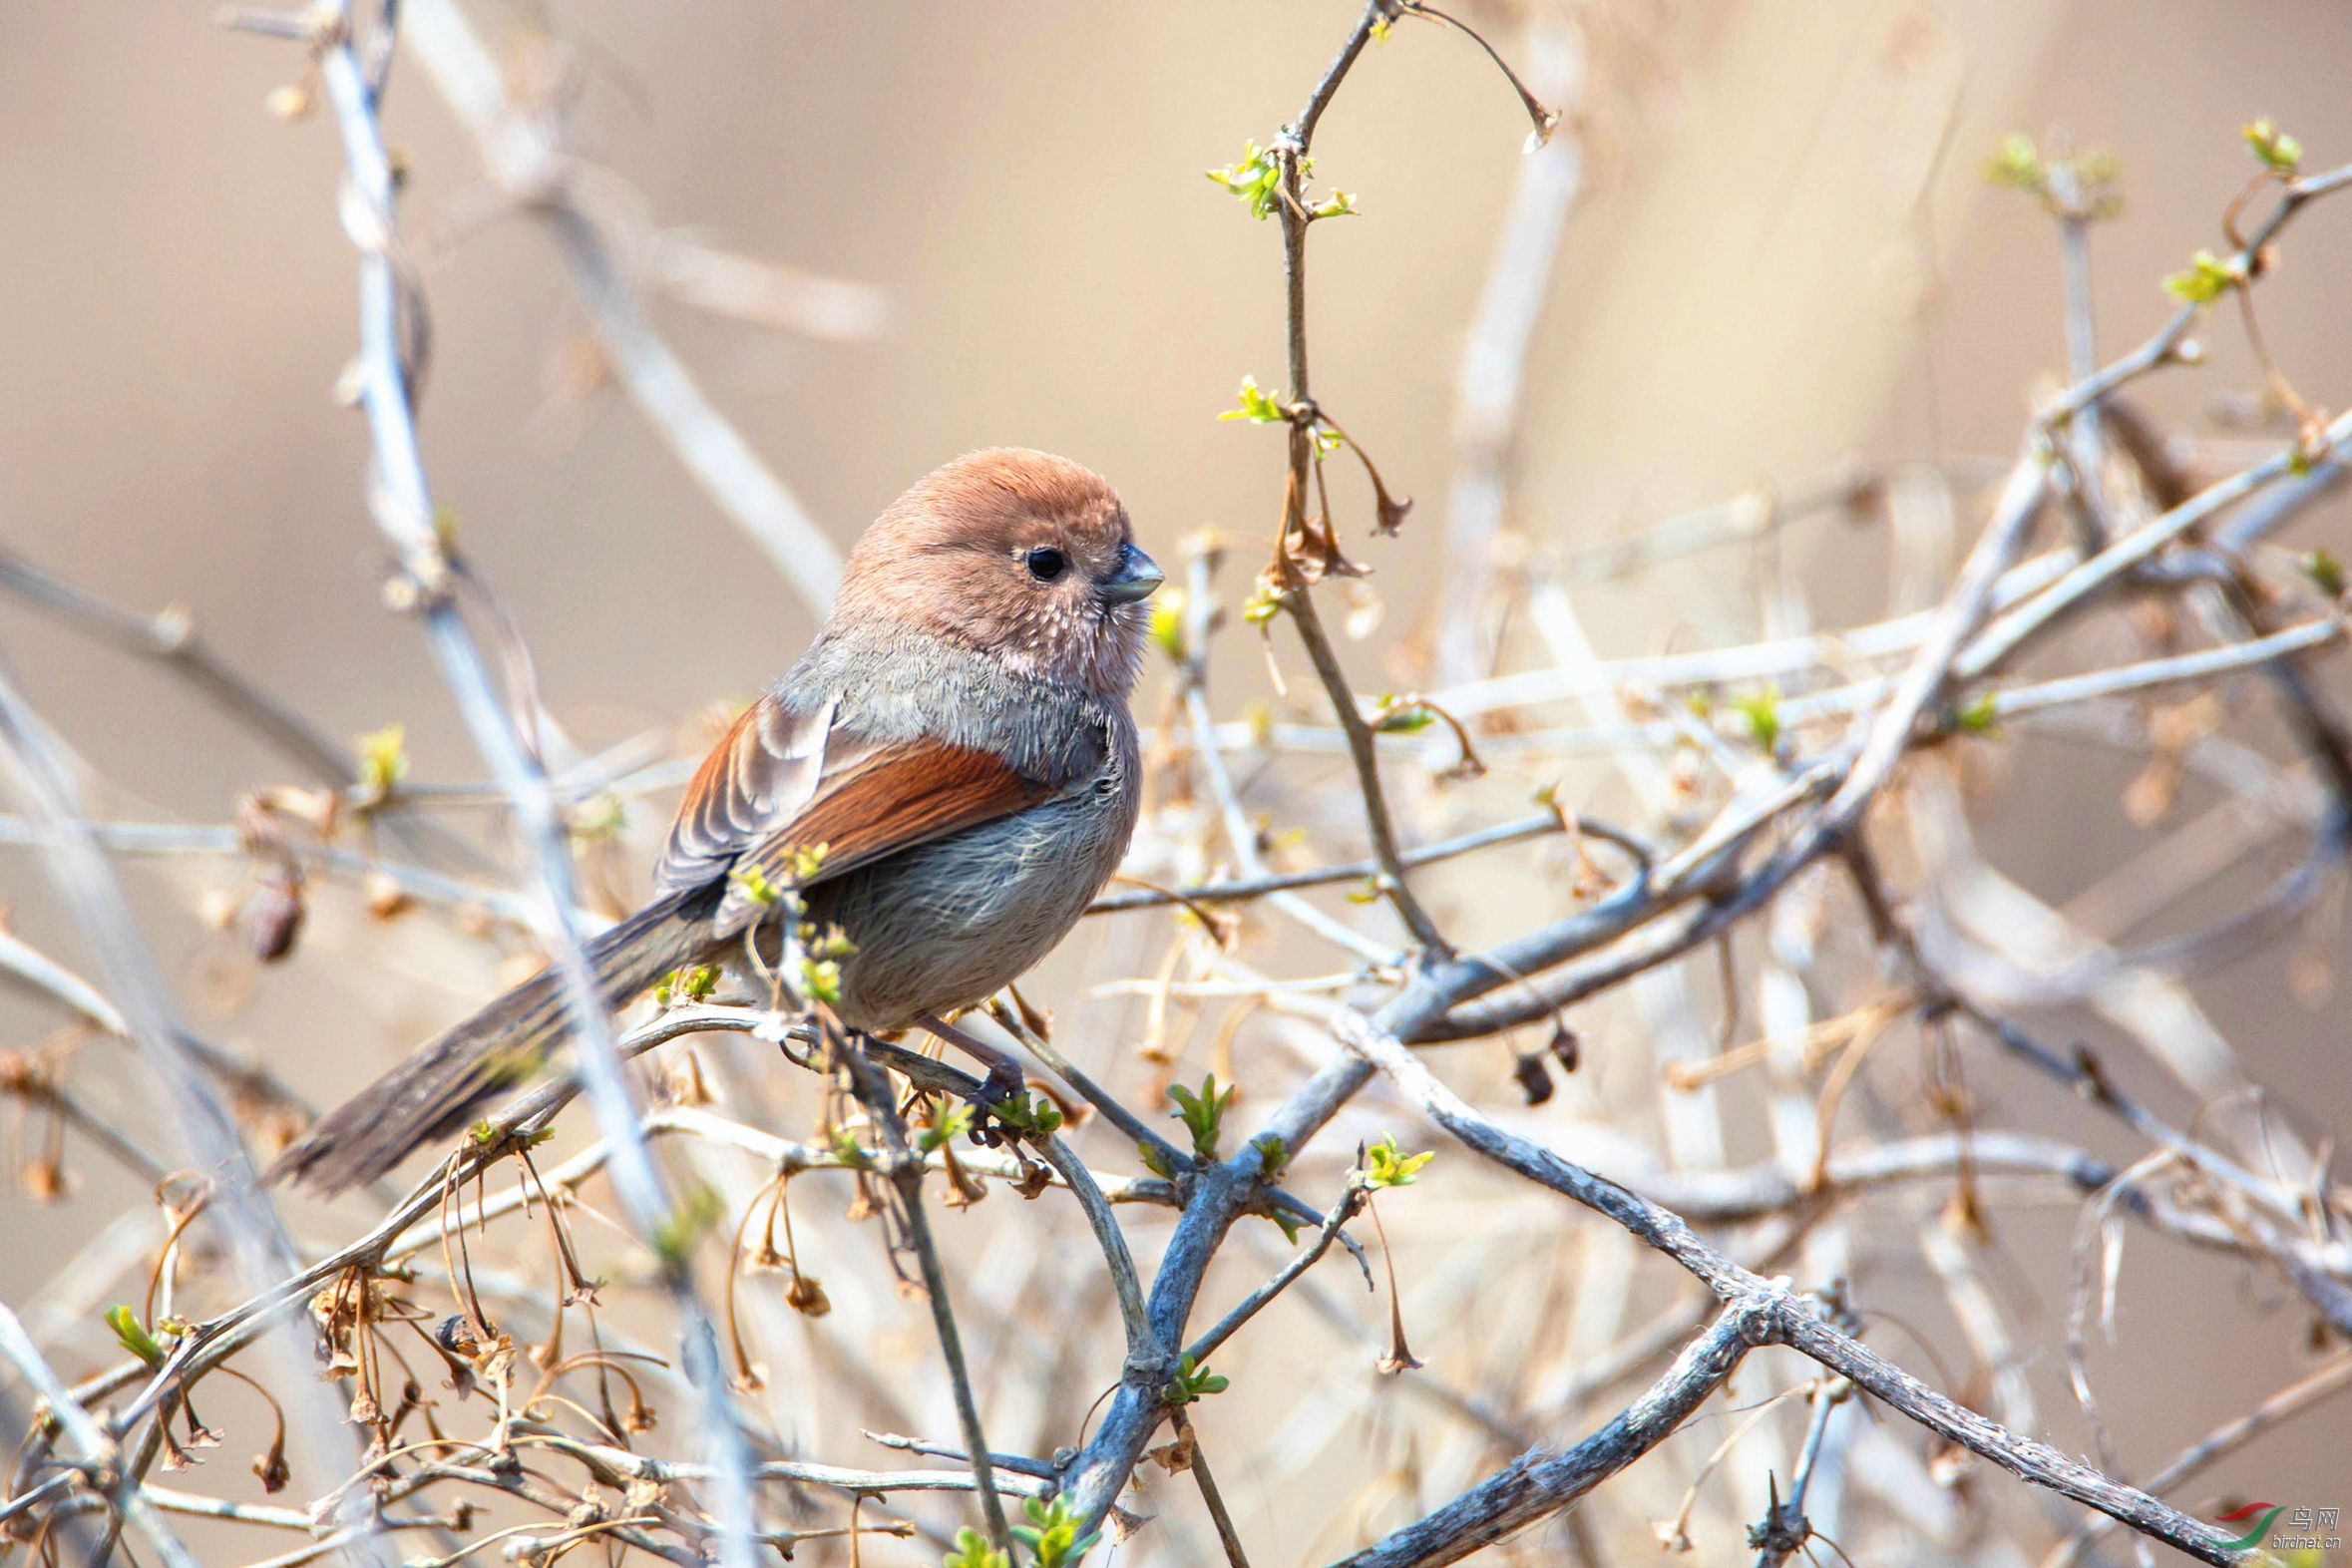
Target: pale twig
x: 783, y: 1156
x: 402, y: 505
x: 1290, y: 150
x: 2070, y: 201
x: 1540, y: 1483
x: 2227, y: 1439
x: 2001, y: 641
x: 1775, y: 656
x: 620, y: 1464
x: 1785, y: 1320
x: 906, y: 1174
x: 1092, y: 1092
x: 1246, y: 888
x: 208, y: 1142
x: 2203, y: 664
x: 173, y: 838
x: 2165, y: 345
x: 1786, y: 1532
x: 22, y: 962
x: 1491, y: 378
x: 172, y: 640
x: 1930, y: 670
x: 1019, y: 1465
x: 143, y: 1013
x: 47, y: 1492
x: 527, y: 159
x: 97, y: 1449
x: 1743, y: 1195
x: 1240, y: 835
x: 276, y: 1518
x: 1198, y: 1463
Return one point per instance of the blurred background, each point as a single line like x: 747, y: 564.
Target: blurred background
x: 1783, y: 272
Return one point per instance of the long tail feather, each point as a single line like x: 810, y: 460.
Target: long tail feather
x: 441, y: 1090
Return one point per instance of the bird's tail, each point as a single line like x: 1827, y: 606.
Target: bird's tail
x: 441, y: 1090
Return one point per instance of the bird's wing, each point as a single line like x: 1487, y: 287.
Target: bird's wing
x: 780, y: 784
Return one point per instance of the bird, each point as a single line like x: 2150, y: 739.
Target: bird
x: 945, y: 781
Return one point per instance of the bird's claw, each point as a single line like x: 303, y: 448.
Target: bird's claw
x: 1004, y: 1084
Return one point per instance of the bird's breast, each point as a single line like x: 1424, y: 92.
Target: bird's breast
x: 949, y: 922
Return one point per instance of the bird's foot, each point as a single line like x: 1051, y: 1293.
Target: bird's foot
x: 1006, y: 1085
x: 1000, y: 1105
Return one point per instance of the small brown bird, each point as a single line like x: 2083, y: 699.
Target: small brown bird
x: 959, y: 741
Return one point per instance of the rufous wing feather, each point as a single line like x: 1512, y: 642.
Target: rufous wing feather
x: 780, y: 785
x: 758, y: 778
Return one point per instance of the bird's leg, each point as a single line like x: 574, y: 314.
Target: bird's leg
x: 1005, y: 1077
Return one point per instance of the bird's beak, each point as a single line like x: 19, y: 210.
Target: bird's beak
x: 1138, y: 575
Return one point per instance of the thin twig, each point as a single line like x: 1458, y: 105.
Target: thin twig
x: 1540, y: 1483
x: 1291, y: 147
x: 523, y: 154
x: 1219, y: 1515
x: 402, y: 505
x: 1785, y: 1320
x: 906, y: 1174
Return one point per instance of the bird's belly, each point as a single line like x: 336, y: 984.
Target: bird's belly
x: 946, y: 925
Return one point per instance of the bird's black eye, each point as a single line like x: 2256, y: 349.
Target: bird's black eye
x: 1046, y: 564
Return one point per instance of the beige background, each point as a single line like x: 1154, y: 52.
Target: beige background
x: 1786, y: 260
